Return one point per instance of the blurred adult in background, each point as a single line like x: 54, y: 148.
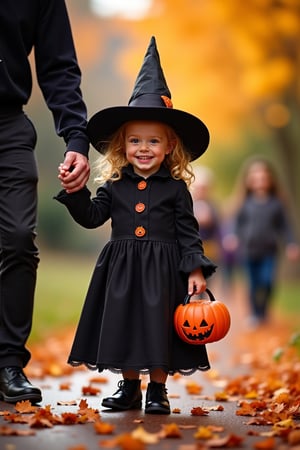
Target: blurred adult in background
x: 261, y: 228
x: 43, y: 26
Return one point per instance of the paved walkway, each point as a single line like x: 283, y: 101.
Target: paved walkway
x: 229, y: 358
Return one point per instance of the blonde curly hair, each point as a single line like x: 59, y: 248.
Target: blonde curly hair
x: 109, y: 165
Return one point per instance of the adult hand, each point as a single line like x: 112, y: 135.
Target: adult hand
x: 74, y: 172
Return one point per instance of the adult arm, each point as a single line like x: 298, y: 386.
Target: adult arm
x: 59, y: 78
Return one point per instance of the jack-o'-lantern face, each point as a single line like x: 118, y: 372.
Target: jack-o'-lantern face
x: 194, y: 332
x: 201, y: 322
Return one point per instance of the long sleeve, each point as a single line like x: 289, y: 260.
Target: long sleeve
x: 86, y: 211
x: 59, y: 75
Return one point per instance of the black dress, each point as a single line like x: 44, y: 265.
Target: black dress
x: 140, y: 276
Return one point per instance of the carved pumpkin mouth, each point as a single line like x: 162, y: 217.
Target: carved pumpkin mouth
x: 194, y: 334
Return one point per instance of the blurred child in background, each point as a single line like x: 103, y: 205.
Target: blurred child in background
x: 261, y: 227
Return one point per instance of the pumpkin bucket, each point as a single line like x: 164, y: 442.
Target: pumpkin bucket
x: 201, y: 321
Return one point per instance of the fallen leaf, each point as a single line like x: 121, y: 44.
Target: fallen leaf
x: 266, y: 444
x: 216, y: 408
x: 176, y: 411
x: 103, y: 427
x: 69, y: 418
x: 231, y: 440
x: 221, y: 397
x: 198, y: 411
x: 203, y: 433
x: 9, y: 431
x: 127, y: 442
x: 193, y: 388
x: 25, y: 407
x: 65, y: 386
x: 99, y: 379
x: 67, y: 403
x: 170, y: 430
x: 294, y: 437
x: 246, y: 409
x: 141, y: 434
x: 90, y: 390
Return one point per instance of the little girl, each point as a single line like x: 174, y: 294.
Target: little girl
x: 154, y: 255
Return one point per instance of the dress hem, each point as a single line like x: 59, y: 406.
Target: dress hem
x: 142, y: 371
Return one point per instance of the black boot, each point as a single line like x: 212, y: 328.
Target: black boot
x: 156, y: 399
x: 15, y: 387
x: 128, y: 396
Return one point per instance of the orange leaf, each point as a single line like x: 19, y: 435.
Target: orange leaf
x: 90, y: 390
x: 67, y: 403
x: 294, y: 437
x: 231, y: 440
x: 203, y: 433
x: 221, y: 396
x: 143, y: 435
x: 9, y: 431
x: 69, y: 418
x: 99, y: 380
x: 266, y: 444
x: 65, y: 386
x: 103, y: 427
x: 171, y: 430
x: 25, y: 407
x: 127, y: 442
x: 176, y: 411
x: 198, y: 411
x: 246, y: 410
x: 193, y: 388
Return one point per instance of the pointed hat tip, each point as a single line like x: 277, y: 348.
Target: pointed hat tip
x: 153, y: 42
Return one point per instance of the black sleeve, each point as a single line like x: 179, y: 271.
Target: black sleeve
x: 86, y: 211
x: 59, y: 75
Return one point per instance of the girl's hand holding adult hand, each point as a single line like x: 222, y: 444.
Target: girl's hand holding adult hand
x: 74, y: 172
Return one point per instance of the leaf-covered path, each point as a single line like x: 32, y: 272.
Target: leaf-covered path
x: 249, y: 399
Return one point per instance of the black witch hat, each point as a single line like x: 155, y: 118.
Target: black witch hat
x: 150, y: 100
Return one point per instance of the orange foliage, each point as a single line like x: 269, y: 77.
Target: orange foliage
x: 233, y: 60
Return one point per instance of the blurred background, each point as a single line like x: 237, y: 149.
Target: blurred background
x: 236, y: 68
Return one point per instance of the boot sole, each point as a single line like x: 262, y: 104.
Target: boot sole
x: 156, y: 410
x: 33, y: 398
x: 119, y: 407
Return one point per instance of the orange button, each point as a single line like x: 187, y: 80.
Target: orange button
x: 142, y: 185
x: 140, y: 231
x: 140, y: 207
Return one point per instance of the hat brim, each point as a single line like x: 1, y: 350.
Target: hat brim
x: 191, y: 130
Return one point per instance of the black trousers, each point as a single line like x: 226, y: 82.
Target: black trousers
x: 18, y: 252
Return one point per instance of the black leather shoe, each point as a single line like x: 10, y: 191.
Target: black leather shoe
x: 156, y: 399
x: 15, y: 387
x: 128, y: 396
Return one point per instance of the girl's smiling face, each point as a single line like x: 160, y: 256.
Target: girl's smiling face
x: 146, y: 145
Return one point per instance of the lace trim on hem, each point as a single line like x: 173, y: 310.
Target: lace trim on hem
x: 115, y: 370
